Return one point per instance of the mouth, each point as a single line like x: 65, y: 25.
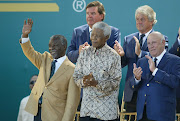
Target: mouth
x: 152, y: 50
x: 94, y: 42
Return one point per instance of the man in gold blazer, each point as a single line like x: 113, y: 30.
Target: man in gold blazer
x: 60, y: 95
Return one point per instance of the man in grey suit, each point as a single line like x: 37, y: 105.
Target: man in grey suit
x: 135, y: 49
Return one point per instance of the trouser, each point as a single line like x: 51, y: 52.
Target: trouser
x: 87, y: 118
x: 38, y: 116
x: 144, y: 118
x: 178, y: 105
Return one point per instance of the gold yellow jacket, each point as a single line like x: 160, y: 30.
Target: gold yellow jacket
x: 60, y: 94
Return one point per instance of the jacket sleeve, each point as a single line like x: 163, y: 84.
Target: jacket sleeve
x: 169, y: 79
x: 73, y: 50
x: 175, y: 49
x: 34, y: 56
x: 115, y: 35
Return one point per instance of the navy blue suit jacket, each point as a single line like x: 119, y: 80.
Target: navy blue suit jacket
x: 158, y: 92
x: 129, y: 58
x: 81, y: 35
x: 175, y: 49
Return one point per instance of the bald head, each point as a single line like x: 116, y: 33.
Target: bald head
x: 156, y: 43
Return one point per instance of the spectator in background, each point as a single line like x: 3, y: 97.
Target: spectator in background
x: 23, y: 115
x: 175, y: 49
x: 135, y: 49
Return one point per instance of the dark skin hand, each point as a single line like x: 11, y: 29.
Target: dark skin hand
x: 89, y: 80
x: 27, y: 27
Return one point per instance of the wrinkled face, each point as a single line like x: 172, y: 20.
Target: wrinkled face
x: 56, y: 49
x: 92, y: 16
x: 32, y: 82
x: 155, y: 45
x: 143, y: 24
x: 97, y: 38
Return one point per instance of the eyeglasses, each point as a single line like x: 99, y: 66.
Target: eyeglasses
x: 32, y: 82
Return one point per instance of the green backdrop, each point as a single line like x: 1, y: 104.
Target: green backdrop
x: 16, y: 69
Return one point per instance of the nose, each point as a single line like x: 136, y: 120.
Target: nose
x: 89, y: 15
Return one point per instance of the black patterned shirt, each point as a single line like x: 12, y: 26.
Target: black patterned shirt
x: 99, y: 102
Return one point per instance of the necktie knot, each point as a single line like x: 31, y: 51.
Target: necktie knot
x: 141, y: 39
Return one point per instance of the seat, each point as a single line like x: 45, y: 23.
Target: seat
x: 123, y: 112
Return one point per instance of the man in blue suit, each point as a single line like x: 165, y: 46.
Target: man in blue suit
x: 156, y: 80
x: 175, y: 49
x: 134, y: 50
x: 95, y: 12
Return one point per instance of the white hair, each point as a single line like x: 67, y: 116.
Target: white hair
x: 103, y: 26
x: 148, y: 11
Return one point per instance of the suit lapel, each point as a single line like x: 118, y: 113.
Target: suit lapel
x: 48, y: 70
x: 161, y: 64
x: 134, y: 45
x: 87, y: 35
x: 62, y: 69
x: 145, y: 47
x: 163, y: 61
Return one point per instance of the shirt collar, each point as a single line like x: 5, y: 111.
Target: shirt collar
x: 101, y: 49
x: 146, y: 34
x: 61, y: 59
x: 90, y: 30
x: 160, y: 56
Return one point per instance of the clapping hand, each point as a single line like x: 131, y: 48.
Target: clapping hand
x: 137, y: 72
x: 137, y: 47
x: 89, y: 80
x: 118, y: 48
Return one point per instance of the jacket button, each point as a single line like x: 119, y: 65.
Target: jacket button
x: 147, y: 85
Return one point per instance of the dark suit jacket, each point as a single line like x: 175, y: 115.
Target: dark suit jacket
x: 129, y: 58
x: 158, y: 92
x: 81, y: 35
x: 175, y: 49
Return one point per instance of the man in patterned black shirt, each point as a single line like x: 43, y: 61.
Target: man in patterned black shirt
x: 98, y: 72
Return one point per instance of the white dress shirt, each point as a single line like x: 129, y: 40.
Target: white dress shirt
x: 23, y: 115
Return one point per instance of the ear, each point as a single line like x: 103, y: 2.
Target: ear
x: 107, y: 37
x: 164, y: 41
x: 102, y: 16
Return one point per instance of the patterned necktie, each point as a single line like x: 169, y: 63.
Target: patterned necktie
x: 155, y: 61
x: 52, y: 68
x: 141, y: 39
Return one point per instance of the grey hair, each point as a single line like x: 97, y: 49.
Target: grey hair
x: 148, y: 11
x: 103, y: 26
